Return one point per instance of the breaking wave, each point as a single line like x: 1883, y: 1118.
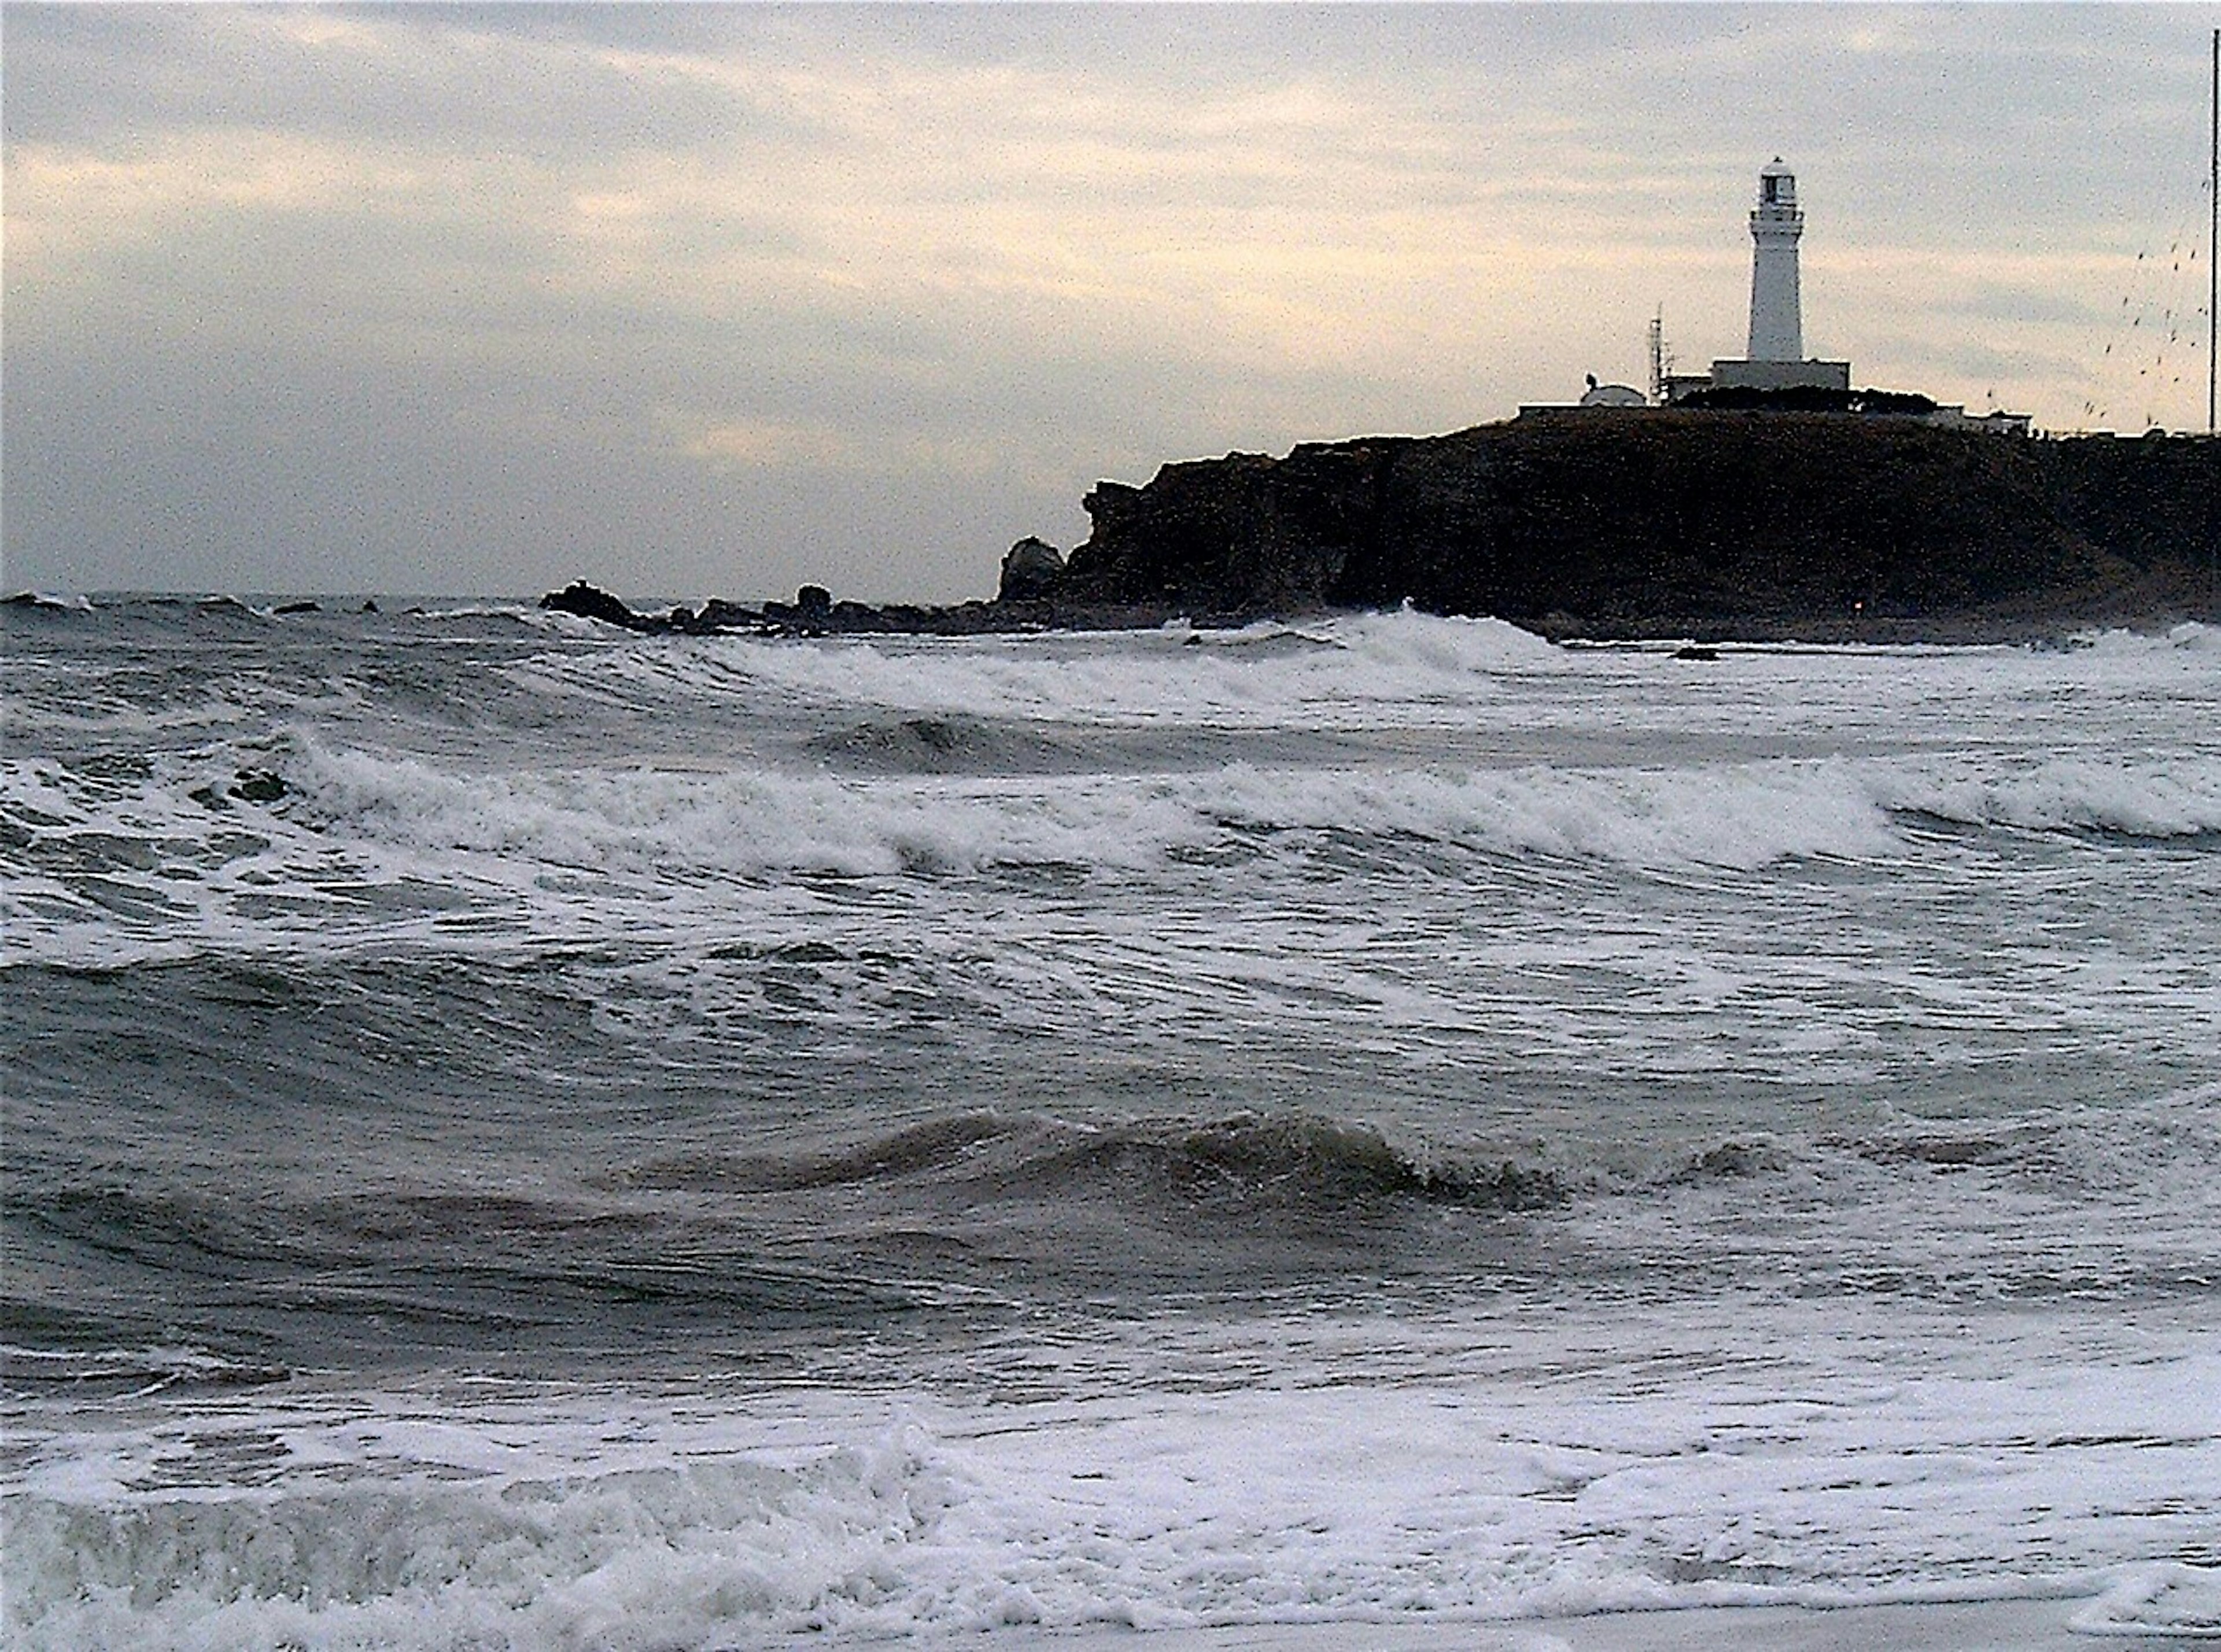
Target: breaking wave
x: 626, y: 1525
x: 173, y: 851
x: 1356, y: 673
x: 1735, y: 816
x: 1245, y: 1163
x: 652, y: 1557
x: 1738, y: 816
x: 2176, y: 799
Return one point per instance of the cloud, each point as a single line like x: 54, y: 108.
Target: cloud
x: 786, y: 278
x: 770, y: 444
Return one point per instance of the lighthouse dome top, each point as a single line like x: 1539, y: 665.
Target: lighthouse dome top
x: 1777, y: 184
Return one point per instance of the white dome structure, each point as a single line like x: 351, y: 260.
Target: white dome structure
x: 1612, y: 395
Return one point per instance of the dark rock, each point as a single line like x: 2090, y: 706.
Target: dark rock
x: 1030, y: 570
x: 589, y: 602
x: 815, y: 614
x: 258, y: 786
x: 718, y: 614
x: 298, y: 608
x: 1696, y: 651
x: 369, y: 606
x: 976, y: 619
x: 1670, y: 523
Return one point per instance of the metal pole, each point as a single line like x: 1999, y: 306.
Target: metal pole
x: 2213, y: 238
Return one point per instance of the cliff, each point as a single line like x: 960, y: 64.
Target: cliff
x: 1669, y: 522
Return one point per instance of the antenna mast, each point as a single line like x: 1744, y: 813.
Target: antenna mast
x: 1661, y: 363
x: 2213, y: 236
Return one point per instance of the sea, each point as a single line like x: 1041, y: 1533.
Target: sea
x: 519, y: 1135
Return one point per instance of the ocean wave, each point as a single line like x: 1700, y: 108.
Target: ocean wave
x: 2166, y: 1600
x: 1710, y: 1477
x: 2179, y: 798
x: 43, y: 603
x: 650, y: 1557
x: 130, y: 852
x: 1328, y: 1164
x: 135, y: 1370
x: 687, y: 825
x: 1354, y: 672
x: 1741, y: 816
x: 1173, y: 1169
x: 1446, y: 644
x: 1358, y: 674
x: 2189, y: 636
x: 950, y: 745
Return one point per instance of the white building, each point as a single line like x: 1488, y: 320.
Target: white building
x: 1776, y: 359
x: 1777, y: 330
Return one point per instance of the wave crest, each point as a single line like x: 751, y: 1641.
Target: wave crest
x: 643, y: 1555
x: 1158, y: 1167
x: 2177, y: 798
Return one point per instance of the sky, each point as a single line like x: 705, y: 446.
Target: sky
x: 694, y: 300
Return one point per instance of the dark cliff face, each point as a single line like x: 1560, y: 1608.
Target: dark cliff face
x: 1635, y: 520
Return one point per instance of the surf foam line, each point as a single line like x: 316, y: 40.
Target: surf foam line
x: 1741, y: 816
x: 1358, y: 672
x: 1857, y: 1470
x: 102, y: 868
x: 1735, y: 816
x: 164, y: 860
x: 2172, y: 798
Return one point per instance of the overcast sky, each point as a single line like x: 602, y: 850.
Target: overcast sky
x: 695, y: 300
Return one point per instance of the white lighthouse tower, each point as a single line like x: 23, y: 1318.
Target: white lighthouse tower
x: 1777, y: 361
x: 1776, y: 327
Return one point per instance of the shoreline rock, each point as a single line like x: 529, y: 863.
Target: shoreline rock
x: 1637, y: 525
x: 1651, y: 523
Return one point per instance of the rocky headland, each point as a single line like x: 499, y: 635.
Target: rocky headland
x: 1622, y: 524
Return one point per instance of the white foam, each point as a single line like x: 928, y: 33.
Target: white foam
x: 2178, y: 797
x: 1736, y: 816
x: 2120, y: 644
x: 519, y: 841
x: 1360, y: 672
x: 2180, y: 1602
x: 687, y: 823
x: 1488, y: 1469
x: 531, y: 614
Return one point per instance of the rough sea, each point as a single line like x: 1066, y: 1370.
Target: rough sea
x: 522, y: 1135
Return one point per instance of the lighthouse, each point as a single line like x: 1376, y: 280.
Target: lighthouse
x: 1776, y: 360
x: 1776, y: 373
x: 1776, y: 329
